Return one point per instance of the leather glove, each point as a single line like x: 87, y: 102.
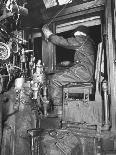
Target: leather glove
x: 46, y: 31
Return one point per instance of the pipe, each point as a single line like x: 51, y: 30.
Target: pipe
x: 106, y: 106
x: 46, y: 102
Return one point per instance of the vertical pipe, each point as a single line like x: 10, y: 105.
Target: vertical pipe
x: 111, y: 56
x: 106, y: 105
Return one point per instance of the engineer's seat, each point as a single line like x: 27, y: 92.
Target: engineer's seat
x: 79, y: 101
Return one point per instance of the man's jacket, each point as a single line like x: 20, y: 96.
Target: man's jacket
x: 84, y: 49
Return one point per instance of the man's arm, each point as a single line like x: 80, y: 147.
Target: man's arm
x: 70, y: 43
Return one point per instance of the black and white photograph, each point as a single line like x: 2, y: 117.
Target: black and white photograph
x: 57, y: 77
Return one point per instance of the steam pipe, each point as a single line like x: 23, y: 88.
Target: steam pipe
x: 106, y: 106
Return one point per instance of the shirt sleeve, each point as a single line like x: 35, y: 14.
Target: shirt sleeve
x: 69, y: 43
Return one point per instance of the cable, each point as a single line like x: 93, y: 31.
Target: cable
x: 58, y: 13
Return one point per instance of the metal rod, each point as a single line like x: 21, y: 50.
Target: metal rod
x: 106, y: 105
x: 58, y: 13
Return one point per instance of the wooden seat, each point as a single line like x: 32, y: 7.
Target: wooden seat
x: 76, y: 98
x: 77, y: 104
x: 77, y: 88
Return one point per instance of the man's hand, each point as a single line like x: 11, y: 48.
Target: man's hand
x: 46, y: 31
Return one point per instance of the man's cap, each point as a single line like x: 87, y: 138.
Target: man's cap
x: 83, y: 29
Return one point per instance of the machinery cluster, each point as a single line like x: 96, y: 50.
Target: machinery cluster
x: 17, y: 63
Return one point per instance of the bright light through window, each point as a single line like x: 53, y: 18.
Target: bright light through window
x: 50, y: 3
x: 61, y: 2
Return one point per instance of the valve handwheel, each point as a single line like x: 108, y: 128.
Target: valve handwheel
x: 4, y: 51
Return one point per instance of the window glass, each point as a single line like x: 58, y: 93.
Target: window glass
x: 50, y: 3
x: 61, y: 2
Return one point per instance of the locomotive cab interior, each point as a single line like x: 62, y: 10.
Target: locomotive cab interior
x: 28, y: 62
x: 63, y: 58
